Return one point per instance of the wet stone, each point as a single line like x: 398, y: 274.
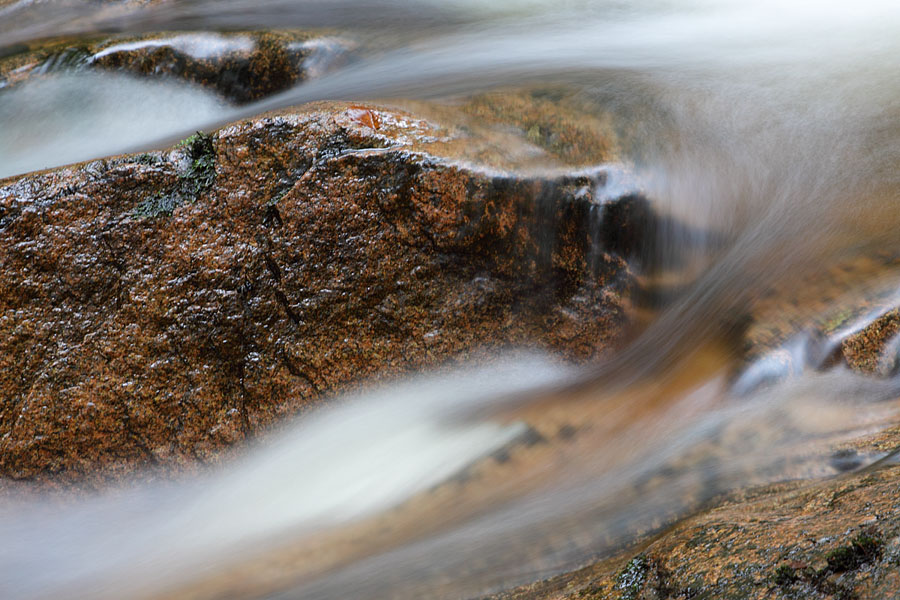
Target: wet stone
x: 830, y: 539
x: 834, y: 318
x: 241, y: 67
x: 875, y: 349
x: 306, y: 252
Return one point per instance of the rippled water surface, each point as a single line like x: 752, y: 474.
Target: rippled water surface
x: 772, y: 126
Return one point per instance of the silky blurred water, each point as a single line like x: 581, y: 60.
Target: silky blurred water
x: 774, y: 126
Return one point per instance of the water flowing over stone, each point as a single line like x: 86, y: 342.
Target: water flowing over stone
x: 684, y: 213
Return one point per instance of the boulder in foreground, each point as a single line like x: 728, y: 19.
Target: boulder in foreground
x: 156, y: 309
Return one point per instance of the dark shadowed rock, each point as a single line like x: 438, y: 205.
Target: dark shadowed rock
x: 241, y: 67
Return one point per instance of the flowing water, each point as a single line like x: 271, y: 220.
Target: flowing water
x: 773, y: 125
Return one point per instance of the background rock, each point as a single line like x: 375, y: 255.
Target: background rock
x: 240, y: 66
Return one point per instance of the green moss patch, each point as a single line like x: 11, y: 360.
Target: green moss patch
x: 201, y: 174
x: 633, y: 577
x: 158, y: 206
x: 784, y: 576
x: 195, y: 181
x: 863, y: 549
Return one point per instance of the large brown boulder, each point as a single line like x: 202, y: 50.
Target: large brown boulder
x: 155, y: 309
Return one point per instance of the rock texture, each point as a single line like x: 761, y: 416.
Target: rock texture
x: 831, y: 538
x: 155, y: 309
x: 838, y: 539
x: 875, y: 349
x: 241, y: 67
x: 845, y: 315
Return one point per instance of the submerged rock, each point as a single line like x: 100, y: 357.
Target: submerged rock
x: 833, y: 537
x: 846, y: 315
x: 157, y: 308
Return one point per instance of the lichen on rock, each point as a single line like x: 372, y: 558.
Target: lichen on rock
x: 301, y: 253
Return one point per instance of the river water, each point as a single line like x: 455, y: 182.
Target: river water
x: 775, y: 125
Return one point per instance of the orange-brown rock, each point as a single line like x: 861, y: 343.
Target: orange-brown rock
x: 155, y: 309
x: 832, y: 538
x: 844, y: 314
x: 836, y: 539
x: 874, y: 349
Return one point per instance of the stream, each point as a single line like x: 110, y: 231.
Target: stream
x: 772, y: 128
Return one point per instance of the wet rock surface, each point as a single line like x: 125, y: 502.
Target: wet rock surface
x: 241, y: 67
x: 158, y: 308
x: 835, y: 539
x: 845, y: 316
x: 875, y: 348
x: 550, y: 120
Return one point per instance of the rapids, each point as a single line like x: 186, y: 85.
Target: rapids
x: 772, y: 126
